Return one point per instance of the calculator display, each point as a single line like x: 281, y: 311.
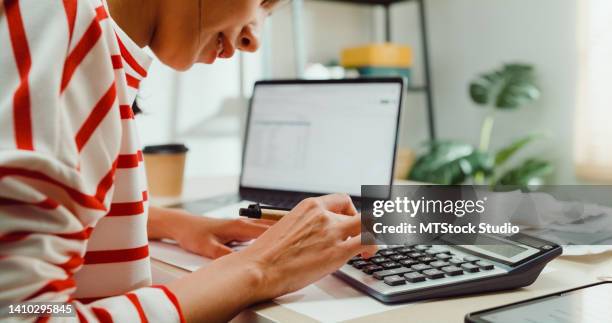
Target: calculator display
x: 501, y: 249
x: 505, y: 250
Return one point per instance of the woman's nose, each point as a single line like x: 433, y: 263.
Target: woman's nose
x: 248, y: 40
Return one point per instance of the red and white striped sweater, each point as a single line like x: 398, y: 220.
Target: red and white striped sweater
x: 73, y: 199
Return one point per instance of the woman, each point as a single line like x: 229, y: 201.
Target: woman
x: 73, y: 201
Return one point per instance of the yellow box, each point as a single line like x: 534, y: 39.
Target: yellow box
x: 386, y: 54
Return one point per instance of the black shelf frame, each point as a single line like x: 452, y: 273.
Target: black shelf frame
x: 422, y: 13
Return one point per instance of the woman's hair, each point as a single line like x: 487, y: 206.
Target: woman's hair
x: 135, y: 108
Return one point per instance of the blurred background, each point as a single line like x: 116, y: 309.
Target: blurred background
x: 511, y: 92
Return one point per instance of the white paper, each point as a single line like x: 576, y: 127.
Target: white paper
x: 332, y: 300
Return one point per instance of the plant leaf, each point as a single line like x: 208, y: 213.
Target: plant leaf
x: 510, y: 87
x: 450, y: 163
x: 530, y: 172
x: 507, y: 152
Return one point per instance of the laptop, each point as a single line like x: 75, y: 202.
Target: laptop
x: 309, y: 138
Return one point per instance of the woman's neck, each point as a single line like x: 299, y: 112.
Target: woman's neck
x: 137, y: 18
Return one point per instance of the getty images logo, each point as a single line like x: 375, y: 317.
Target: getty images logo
x: 412, y: 207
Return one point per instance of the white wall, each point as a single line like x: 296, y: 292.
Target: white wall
x: 467, y: 37
x: 203, y: 108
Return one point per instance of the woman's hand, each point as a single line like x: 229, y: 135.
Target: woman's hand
x: 317, y: 237
x: 202, y: 235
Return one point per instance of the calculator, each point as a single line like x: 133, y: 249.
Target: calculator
x: 418, y: 272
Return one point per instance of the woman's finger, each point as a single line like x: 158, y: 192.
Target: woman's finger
x: 349, y: 226
x: 353, y: 246
x: 339, y: 203
x: 216, y: 250
x: 246, y: 230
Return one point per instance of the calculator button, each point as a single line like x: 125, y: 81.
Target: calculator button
x: 408, y: 262
x: 422, y: 247
x: 452, y: 270
x: 439, y: 264
x: 433, y: 251
x: 484, y: 265
x: 471, y: 268
x: 421, y: 267
x: 378, y: 260
x: 370, y: 269
x: 384, y: 273
x: 404, y: 250
x: 356, y: 258
x: 398, y: 257
x: 394, y: 280
x: 415, y: 255
x: 414, y: 277
x: 457, y: 261
x: 426, y: 259
x: 470, y: 259
x: 443, y: 256
x: 390, y: 265
x: 386, y: 252
x: 433, y: 274
x: 360, y: 264
x: 396, y: 248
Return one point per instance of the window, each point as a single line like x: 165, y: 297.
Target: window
x: 594, y: 111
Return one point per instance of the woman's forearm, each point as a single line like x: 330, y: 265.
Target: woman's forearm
x: 219, y: 291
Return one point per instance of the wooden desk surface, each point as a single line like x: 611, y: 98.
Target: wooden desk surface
x: 562, y: 273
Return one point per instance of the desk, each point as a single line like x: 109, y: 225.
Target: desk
x: 562, y: 273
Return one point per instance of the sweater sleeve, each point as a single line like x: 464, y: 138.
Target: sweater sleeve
x: 49, y: 202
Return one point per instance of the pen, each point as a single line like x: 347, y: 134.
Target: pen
x: 257, y: 211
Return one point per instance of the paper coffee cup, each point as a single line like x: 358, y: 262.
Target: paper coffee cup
x: 165, y: 166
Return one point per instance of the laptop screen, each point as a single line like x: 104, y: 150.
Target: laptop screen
x: 321, y: 137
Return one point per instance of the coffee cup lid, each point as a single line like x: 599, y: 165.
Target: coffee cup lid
x: 165, y: 149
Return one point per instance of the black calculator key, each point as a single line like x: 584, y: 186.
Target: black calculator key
x: 470, y: 259
x: 398, y: 257
x: 378, y: 260
x: 386, y: 252
x: 484, y: 265
x: 433, y: 274
x: 390, y: 265
x: 443, y: 256
x: 396, y: 248
x: 452, y: 270
x: 397, y: 271
x: 356, y: 258
x: 394, y: 280
x: 370, y: 269
x: 414, y: 277
x: 439, y: 264
x: 421, y: 267
x: 408, y: 262
x: 415, y: 255
x: 427, y: 259
x: 404, y: 250
x: 422, y: 247
x: 360, y: 264
x: 457, y: 261
x: 471, y: 268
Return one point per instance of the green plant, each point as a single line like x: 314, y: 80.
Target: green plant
x: 446, y: 162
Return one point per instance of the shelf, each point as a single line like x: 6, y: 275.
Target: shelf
x: 370, y: 2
